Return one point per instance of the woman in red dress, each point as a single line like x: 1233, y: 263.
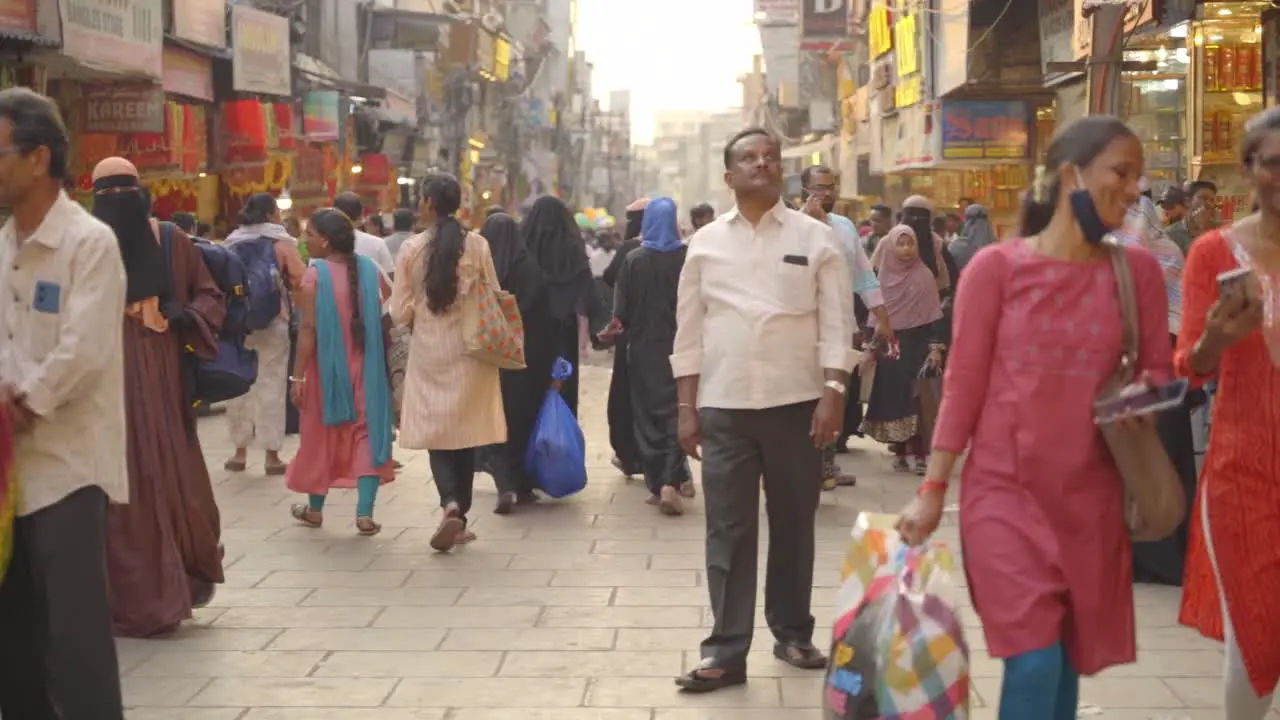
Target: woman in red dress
x: 1232, y: 333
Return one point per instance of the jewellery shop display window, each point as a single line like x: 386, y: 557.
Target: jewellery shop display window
x: 1154, y: 104
x: 1227, y: 72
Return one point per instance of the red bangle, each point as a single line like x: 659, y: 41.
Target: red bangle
x: 928, y: 485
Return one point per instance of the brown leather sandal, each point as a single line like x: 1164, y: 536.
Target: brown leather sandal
x: 305, y: 515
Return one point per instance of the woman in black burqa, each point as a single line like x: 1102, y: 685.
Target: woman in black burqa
x: 554, y: 242
x: 622, y: 435
x: 522, y: 390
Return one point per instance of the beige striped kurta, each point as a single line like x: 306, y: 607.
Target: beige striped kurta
x: 451, y: 401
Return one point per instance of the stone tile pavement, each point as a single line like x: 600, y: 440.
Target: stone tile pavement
x: 583, y: 609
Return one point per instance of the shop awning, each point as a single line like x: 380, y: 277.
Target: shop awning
x: 223, y: 53
x: 28, y: 38
x: 805, y: 150
x: 317, y: 71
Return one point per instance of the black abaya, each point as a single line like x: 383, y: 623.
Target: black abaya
x: 622, y: 434
x: 645, y: 303
x: 1162, y: 562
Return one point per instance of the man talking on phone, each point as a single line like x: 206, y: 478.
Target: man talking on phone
x: 818, y: 185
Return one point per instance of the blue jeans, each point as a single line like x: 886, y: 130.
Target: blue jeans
x: 1040, y: 685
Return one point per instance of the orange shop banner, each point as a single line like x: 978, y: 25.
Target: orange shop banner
x: 18, y: 16
x: 122, y: 108
x: 187, y: 73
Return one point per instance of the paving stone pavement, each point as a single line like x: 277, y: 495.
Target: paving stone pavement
x: 582, y: 609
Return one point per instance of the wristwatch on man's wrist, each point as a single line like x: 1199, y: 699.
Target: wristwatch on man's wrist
x: 836, y: 385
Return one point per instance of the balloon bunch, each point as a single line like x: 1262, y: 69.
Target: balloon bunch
x: 595, y: 218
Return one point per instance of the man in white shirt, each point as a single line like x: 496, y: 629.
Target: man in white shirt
x: 371, y: 246
x: 761, y: 359
x: 62, y: 301
x: 819, y: 185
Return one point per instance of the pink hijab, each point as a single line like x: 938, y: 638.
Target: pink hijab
x: 910, y: 289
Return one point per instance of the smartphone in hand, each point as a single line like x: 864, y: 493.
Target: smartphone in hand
x: 1151, y: 400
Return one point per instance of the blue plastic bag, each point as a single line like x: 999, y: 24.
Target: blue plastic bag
x: 557, y: 455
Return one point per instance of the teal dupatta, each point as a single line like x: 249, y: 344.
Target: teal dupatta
x: 338, y: 392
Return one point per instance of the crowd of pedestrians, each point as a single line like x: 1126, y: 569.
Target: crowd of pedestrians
x: 756, y: 345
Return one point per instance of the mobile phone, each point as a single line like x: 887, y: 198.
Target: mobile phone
x: 1233, y: 278
x: 1151, y: 400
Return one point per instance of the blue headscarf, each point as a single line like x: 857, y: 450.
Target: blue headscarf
x: 661, y: 230
x: 338, y: 392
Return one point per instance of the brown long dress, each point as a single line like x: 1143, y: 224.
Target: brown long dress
x: 163, y: 547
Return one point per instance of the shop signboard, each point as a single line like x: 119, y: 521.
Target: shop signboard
x: 18, y: 16
x: 777, y: 11
x: 320, y: 117
x: 985, y: 130
x: 122, y: 36
x: 187, y: 73
x: 201, y: 21
x: 395, y: 69
x: 260, y: 58
x: 910, y: 139
x: 910, y: 60
x: 484, y: 52
x: 122, y: 108
x: 824, y: 25
x: 1138, y: 14
x: 1057, y: 33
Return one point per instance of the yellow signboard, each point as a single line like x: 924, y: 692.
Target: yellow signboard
x: 879, y: 37
x: 909, y: 89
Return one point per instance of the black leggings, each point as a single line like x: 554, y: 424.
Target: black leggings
x: 454, y: 472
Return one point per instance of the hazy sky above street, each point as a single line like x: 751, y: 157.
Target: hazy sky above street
x: 671, y: 54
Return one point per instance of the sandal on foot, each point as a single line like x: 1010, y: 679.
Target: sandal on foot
x: 805, y: 657
x: 305, y: 515
x: 276, y: 469
x: 843, y: 480
x: 669, y: 503
x: 366, y: 527
x: 900, y: 464
x: 234, y: 465
x: 921, y: 466
x: 688, y: 490
x: 709, y: 678
x: 446, y: 536
x: 506, y: 503
x: 464, y: 538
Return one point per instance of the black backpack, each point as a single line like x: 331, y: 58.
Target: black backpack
x: 234, y: 370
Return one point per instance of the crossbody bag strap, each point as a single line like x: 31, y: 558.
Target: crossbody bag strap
x: 1128, y: 297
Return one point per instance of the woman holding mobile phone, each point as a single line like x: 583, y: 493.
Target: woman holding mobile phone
x: 1231, y: 334
x: 1038, y: 333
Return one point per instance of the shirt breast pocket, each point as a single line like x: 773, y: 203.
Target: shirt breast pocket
x: 796, y: 290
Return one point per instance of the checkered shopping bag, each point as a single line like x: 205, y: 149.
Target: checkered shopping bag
x: 898, y: 649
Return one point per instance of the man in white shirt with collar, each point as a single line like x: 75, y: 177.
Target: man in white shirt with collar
x: 371, y: 246
x: 762, y: 359
x: 62, y: 302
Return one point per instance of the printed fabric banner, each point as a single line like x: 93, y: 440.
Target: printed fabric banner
x: 985, y: 130
x: 320, y: 116
x: 260, y: 58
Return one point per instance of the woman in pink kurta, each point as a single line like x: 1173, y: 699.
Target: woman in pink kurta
x: 1037, y: 334
x: 337, y: 451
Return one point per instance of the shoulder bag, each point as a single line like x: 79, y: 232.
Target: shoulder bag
x: 1155, y: 503
x: 492, y: 329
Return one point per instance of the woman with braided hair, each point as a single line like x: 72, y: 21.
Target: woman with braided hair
x: 339, y: 381
x: 452, y: 402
